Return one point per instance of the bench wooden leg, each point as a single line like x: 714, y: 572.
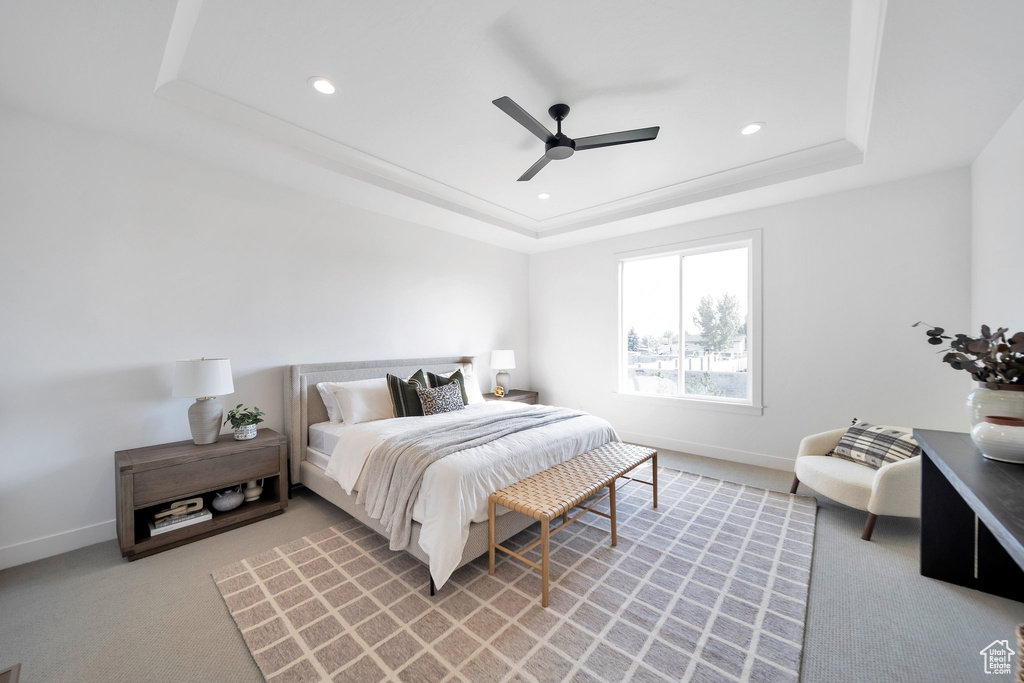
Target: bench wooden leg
x: 545, y: 537
x: 654, y: 477
x: 611, y: 507
x: 490, y: 534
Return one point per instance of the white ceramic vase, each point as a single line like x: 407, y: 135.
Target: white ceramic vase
x: 253, y: 489
x: 1006, y: 401
x: 245, y: 433
x: 1000, y: 438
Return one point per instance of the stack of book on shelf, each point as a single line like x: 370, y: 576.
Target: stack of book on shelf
x: 165, y: 524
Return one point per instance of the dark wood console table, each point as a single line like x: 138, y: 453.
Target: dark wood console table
x: 972, y: 516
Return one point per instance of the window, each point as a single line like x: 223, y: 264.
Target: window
x: 690, y: 317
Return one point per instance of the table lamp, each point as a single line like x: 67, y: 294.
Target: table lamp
x: 203, y: 380
x: 502, y: 361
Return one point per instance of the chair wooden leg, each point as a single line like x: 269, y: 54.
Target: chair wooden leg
x: 654, y: 477
x: 796, y: 483
x: 869, y: 526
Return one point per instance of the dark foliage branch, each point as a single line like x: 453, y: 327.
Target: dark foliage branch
x: 991, y: 358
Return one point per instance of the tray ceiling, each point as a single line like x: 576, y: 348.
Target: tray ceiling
x: 854, y: 93
x: 413, y: 113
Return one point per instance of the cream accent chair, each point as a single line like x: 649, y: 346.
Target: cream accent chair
x: 893, y: 489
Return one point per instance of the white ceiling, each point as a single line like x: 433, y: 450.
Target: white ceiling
x: 853, y: 94
x: 415, y: 87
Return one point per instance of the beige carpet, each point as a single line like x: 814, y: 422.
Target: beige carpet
x: 89, y: 615
x: 711, y: 586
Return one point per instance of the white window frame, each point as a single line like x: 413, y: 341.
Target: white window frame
x: 752, y: 404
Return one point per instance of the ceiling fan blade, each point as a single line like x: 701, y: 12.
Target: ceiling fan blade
x: 621, y: 138
x: 523, y: 118
x: 532, y: 171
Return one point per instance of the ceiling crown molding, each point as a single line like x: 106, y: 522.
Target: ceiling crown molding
x: 867, y: 21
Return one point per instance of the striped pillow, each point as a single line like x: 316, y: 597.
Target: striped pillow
x: 440, y: 380
x: 873, y: 446
x: 403, y: 394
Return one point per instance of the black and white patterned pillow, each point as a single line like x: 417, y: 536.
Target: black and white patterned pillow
x: 435, y: 381
x: 443, y: 399
x: 874, y: 446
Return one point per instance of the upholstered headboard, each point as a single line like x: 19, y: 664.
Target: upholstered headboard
x: 305, y: 407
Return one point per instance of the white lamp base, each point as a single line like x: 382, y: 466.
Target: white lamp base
x: 204, y: 418
x: 502, y: 379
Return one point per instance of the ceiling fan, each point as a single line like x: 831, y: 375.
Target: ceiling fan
x: 561, y: 146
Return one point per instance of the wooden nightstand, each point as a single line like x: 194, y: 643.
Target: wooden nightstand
x: 149, y: 479
x: 517, y: 395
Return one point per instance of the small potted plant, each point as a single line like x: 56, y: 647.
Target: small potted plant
x: 244, y: 421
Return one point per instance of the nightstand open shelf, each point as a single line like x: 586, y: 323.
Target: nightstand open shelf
x: 150, y: 479
x: 268, y: 503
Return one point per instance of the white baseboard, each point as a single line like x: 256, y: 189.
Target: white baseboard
x: 746, y: 457
x: 48, y: 546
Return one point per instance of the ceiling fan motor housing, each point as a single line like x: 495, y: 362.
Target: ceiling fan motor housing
x: 560, y: 147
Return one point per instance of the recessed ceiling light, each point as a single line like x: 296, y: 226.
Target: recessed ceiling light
x: 544, y: 195
x: 752, y: 128
x: 321, y: 85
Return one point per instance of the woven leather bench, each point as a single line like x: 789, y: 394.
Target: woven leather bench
x: 553, y: 492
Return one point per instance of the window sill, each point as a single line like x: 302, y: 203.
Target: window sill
x: 694, y: 403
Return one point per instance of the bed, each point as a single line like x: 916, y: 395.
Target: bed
x: 436, y: 541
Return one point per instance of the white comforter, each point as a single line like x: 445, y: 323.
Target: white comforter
x: 455, y: 489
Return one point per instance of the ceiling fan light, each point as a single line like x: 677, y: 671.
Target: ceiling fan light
x: 752, y: 128
x: 321, y: 85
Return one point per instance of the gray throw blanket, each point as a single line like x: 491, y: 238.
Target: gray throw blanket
x: 394, y: 469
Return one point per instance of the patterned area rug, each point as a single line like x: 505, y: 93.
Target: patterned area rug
x: 711, y: 586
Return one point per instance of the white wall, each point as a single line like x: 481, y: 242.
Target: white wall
x: 116, y: 260
x: 997, y: 179
x: 844, y: 277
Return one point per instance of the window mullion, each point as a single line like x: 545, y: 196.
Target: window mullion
x: 681, y: 374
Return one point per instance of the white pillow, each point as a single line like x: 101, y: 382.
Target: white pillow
x: 472, y: 386
x: 473, y: 389
x: 326, y: 390
x: 364, y: 400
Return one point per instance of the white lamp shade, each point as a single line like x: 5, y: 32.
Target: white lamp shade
x: 503, y: 359
x: 203, y: 377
